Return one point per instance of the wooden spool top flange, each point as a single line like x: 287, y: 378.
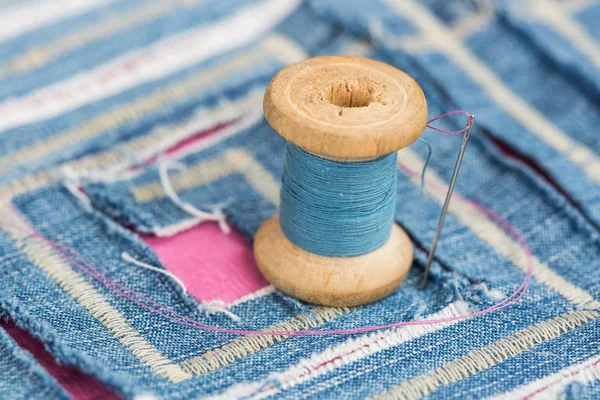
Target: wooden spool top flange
x: 346, y: 108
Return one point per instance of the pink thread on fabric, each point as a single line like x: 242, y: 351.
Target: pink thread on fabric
x: 172, y: 315
x: 183, y: 320
x: 212, y: 265
x: 200, y: 136
x: 559, y: 380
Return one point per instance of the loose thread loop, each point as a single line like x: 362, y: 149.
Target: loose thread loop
x: 429, y: 153
x: 218, y: 306
x: 125, y: 256
x: 76, y: 259
x: 164, y: 165
x: 70, y: 181
x: 209, y: 307
x: 467, y: 127
x: 428, y: 125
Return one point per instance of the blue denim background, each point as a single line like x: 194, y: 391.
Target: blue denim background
x: 507, y: 168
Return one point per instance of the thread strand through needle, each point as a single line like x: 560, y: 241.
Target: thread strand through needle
x: 436, y: 237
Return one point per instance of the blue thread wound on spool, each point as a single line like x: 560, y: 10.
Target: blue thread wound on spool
x: 337, y: 209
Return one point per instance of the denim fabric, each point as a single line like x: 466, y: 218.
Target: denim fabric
x: 512, y: 166
x: 21, y: 377
x: 181, y: 17
x: 523, y: 67
x: 232, y: 86
x: 576, y: 68
x: 246, y: 208
x: 578, y: 390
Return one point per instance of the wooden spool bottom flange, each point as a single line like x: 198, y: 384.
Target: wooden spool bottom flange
x: 332, y: 281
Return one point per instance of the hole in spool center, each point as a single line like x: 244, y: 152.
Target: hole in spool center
x: 350, y: 94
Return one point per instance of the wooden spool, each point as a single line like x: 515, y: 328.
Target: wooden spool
x: 344, y: 109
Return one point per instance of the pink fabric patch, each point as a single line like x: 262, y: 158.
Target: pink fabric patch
x: 211, y: 264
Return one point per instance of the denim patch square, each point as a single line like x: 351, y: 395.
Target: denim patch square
x: 99, y: 100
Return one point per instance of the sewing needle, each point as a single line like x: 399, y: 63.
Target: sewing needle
x: 461, y: 153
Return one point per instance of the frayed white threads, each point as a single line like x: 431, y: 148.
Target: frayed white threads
x: 494, y: 294
x: 212, y: 307
x: 71, y: 182
x: 146, y: 396
x: 209, y: 307
x: 125, y: 256
x: 217, y: 215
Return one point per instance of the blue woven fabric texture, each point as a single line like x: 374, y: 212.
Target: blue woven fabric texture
x: 21, y: 377
x: 93, y: 97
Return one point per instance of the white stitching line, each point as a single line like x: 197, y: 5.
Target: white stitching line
x: 490, y: 233
x: 464, y: 28
x: 339, y: 355
x: 246, y: 345
x: 557, y: 18
x: 38, y: 56
x: 523, y: 113
x: 115, y: 117
x: 153, y: 62
x: 549, y: 386
x: 235, y: 160
x: 488, y: 356
x: 25, y: 17
x: 77, y: 287
x: 113, y: 164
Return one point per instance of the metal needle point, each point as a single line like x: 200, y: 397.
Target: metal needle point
x: 461, y: 153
